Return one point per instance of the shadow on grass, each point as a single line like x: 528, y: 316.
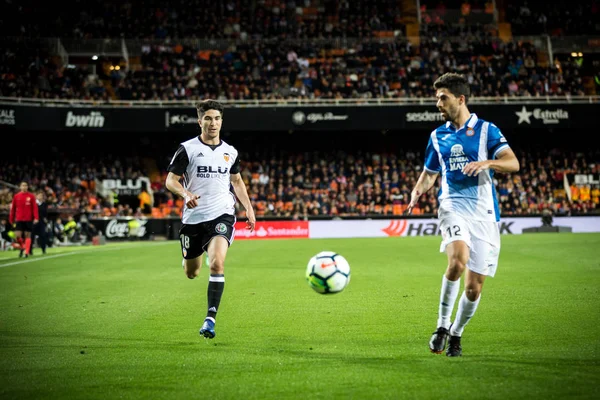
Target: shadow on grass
x: 550, y: 362
x: 385, y: 353
x: 77, y: 339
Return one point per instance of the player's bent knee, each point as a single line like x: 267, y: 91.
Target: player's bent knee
x: 472, y: 292
x: 217, y: 266
x: 192, y: 274
x: 456, y: 264
x: 456, y: 267
x: 191, y: 270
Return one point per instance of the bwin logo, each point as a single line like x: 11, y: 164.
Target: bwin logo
x: 456, y: 150
x: 94, y: 120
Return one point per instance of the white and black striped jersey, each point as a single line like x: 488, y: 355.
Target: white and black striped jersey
x: 206, y: 171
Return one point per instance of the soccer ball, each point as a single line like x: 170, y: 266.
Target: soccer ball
x: 328, y: 272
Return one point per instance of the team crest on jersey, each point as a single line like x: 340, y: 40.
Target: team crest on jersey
x: 458, y: 160
x: 221, y: 228
x: 226, y: 157
x: 456, y: 150
x: 470, y: 131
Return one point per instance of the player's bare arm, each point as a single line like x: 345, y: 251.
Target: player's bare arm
x: 174, y: 185
x: 242, y: 194
x: 425, y: 182
x: 506, y: 161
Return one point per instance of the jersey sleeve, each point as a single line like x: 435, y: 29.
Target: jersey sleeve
x: 13, y: 210
x: 36, y: 211
x: 180, y: 162
x: 432, y: 161
x: 496, y: 142
x: 235, y: 168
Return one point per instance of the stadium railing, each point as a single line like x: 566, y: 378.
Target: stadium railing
x: 41, y: 102
x: 583, y: 44
x: 135, y: 46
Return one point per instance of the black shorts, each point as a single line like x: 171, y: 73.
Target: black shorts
x: 24, y: 226
x: 194, y: 239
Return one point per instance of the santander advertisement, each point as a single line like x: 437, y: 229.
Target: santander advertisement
x: 273, y: 230
x: 393, y: 227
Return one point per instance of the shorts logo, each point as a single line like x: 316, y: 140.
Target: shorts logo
x: 184, y: 252
x: 221, y: 228
x: 470, y: 131
x: 226, y: 157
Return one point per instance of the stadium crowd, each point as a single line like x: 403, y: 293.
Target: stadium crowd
x: 269, y: 70
x: 228, y: 19
x: 370, y: 69
x: 315, y: 184
x: 285, y: 49
x: 379, y: 184
x: 556, y: 18
x: 71, y: 185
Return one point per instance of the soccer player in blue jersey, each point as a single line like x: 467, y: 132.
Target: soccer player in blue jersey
x: 466, y: 152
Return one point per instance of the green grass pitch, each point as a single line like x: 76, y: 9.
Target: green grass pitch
x: 121, y: 322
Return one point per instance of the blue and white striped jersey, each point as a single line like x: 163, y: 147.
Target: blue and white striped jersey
x: 448, y: 151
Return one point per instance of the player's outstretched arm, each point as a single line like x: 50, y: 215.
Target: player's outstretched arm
x: 242, y: 194
x: 36, y: 212
x: 172, y: 183
x: 13, y: 212
x: 425, y: 182
x: 506, y: 161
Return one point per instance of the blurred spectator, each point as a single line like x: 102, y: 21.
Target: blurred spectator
x: 58, y: 230
x: 72, y: 230
x: 7, y: 234
x: 40, y: 229
x: 146, y: 202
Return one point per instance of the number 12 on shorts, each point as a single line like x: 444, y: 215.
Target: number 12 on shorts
x: 456, y: 229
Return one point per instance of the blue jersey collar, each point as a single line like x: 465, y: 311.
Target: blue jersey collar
x: 470, y: 123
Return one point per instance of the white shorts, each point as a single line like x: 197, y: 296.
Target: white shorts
x: 482, y: 237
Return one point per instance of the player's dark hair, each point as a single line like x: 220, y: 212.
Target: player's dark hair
x: 455, y: 83
x: 203, y: 106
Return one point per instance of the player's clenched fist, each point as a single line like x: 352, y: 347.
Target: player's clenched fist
x: 191, y: 200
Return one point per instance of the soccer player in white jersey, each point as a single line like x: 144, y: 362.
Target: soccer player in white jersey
x: 466, y: 151
x: 208, y: 166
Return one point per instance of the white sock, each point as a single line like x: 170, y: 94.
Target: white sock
x: 447, y: 299
x: 466, y: 309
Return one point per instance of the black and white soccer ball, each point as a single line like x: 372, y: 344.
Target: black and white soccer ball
x: 328, y: 272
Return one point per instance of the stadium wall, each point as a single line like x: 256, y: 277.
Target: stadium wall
x: 149, y: 229
x: 289, y: 118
